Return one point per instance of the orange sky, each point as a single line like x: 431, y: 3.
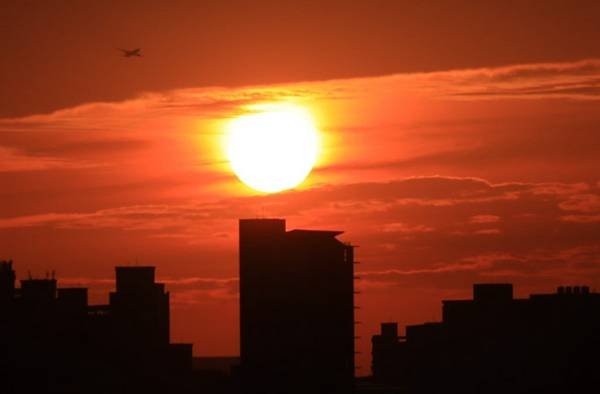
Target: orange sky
x: 443, y: 174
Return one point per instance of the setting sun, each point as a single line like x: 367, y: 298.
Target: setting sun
x: 274, y: 148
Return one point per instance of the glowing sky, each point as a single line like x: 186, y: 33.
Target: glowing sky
x: 441, y: 178
x: 447, y: 160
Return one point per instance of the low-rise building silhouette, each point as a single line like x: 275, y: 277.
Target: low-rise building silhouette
x: 296, y: 310
x: 495, y: 343
x: 51, y: 340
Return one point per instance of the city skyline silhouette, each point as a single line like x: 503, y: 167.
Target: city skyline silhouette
x: 297, y: 332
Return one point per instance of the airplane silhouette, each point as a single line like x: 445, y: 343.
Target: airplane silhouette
x: 132, y: 52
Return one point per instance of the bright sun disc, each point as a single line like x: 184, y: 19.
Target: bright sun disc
x: 273, y: 149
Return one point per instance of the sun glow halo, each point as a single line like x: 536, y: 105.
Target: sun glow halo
x: 273, y: 149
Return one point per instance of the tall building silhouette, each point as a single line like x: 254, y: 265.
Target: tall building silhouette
x: 494, y: 343
x: 296, y: 309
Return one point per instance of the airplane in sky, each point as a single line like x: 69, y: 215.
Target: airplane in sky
x: 132, y: 52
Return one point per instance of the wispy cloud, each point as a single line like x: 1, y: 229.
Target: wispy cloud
x: 12, y: 160
x: 184, y: 290
x: 481, y: 219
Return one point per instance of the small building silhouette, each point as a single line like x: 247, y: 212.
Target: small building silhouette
x: 7, y: 282
x: 497, y: 344
x: 140, y: 309
x: 296, y: 310
x: 52, y: 341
